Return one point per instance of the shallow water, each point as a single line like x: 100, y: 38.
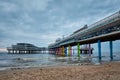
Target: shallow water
x: 8, y: 61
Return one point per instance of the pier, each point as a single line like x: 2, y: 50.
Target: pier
x: 107, y: 29
x: 25, y: 48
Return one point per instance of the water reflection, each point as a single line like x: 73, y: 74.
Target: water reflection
x: 42, y: 60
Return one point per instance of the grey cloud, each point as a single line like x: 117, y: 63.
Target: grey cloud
x: 32, y: 20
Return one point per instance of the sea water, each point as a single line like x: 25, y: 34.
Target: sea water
x: 12, y: 61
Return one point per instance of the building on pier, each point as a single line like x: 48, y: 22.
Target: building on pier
x: 25, y: 48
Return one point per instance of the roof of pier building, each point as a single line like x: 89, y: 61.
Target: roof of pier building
x: 23, y: 46
x: 83, y: 28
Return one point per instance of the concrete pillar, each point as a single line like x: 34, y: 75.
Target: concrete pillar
x: 111, y: 50
x: 29, y: 51
x: 81, y: 51
x: 99, y: 49
x: 60, y: 50
x: 13, y: 51
x: 89, y: 50
x: 73, y: 51
x: 8, y: 51
x: 49, y: 51
x: 57, y: 51
x: 78, y: 46
x: 69, y: 50
x: 65, y: 51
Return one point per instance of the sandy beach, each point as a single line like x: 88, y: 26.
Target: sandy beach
x: 106, y: 71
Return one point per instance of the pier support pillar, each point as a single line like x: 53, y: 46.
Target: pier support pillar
x: 56, y: 51
x: 78, y: 46
x: 63, y: 50
x: 12, y: 51
x: 41, y: 51
x: 59, y: 50
x: 73, y: 51
x: 8, y: 51
x: 111, y: 50
x: 99, y: 49
x: 89, y: 50
x: 69, y: 50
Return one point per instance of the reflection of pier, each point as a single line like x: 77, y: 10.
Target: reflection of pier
x: 25, y: 48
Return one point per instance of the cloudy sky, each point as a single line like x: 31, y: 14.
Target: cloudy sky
x: 41, y: 22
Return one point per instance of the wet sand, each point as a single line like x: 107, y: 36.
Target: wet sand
x: 106, y: 71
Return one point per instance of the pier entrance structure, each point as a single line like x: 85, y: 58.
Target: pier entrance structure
x: 107, y: 29
x: 25, y: 48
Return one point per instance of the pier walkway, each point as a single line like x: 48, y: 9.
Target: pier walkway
x: 107, y: 29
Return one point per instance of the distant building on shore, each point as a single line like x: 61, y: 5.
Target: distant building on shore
x: 25, y: 48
